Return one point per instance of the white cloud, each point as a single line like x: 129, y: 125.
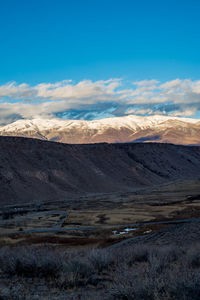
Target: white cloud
x: 183, y: 113
x: 11, y: 89
x: 47, y: 100
x: 143, y: 111
x: 83, y: 89
x: 171, y: 84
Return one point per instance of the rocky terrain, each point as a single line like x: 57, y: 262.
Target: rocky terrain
x: 35, y: 170
x: 131, y: 128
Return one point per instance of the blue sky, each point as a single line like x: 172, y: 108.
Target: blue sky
x: 47, y: 42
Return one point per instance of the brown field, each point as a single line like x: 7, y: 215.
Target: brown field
x: 99, y: 220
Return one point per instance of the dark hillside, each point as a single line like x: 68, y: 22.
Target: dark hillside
x: 35, y: 170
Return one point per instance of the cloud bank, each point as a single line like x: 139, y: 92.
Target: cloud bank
x: 97, y: 99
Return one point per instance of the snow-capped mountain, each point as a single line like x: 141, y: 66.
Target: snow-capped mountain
x: 111, y: 130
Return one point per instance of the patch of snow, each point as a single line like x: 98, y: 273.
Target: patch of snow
x: 131, y: 122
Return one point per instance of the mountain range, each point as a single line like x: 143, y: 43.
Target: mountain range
x: 164, y: 129
x: 35, y: 170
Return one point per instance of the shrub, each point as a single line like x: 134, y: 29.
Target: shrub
x: 74, y: 273
x: 101, y: 259
x: 30, y: 262
x: 126, y: 273
x: 193, y: 257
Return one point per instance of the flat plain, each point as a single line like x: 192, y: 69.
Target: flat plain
x: 100, y: 220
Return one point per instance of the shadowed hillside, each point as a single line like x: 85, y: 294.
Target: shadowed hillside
x: 32, y: 169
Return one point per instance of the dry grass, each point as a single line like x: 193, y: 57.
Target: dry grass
x: 131, y: 273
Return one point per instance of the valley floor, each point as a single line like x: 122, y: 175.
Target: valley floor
x: 137, y: 245
x: 100, y: 220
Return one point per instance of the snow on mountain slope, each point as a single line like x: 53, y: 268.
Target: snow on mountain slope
x: 119, y: 129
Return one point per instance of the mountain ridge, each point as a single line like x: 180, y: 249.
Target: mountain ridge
x: 36, y: 170
x: 130, y: 128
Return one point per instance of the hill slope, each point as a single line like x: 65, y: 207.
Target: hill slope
x: 111, y: 130
x: 32, y: 170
